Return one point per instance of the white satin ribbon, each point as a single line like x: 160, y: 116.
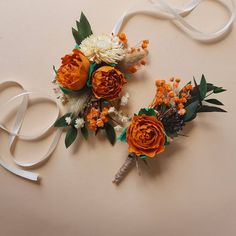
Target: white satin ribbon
x: 159, y: 8
x: 15, y: 132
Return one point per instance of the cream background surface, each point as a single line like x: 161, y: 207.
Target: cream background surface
x: 188, y: 191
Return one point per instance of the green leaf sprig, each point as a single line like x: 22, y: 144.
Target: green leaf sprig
x: 197, y: 103
x: 83, y: 29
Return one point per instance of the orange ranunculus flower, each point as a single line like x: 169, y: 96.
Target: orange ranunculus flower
x: 145, y: 136
x: 107, y: 83
x: 74, y: 70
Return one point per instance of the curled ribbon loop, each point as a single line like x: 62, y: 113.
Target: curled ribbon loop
x: 159, y: 8
x: 15, y: 132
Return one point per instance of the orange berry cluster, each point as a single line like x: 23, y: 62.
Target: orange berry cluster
x: 141, y: 51
x: 168, y: 94
x: 122, y: 37
x: 145, y: 43
x: 97, y: 118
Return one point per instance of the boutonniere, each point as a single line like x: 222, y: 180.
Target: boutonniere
x: 155, y: 127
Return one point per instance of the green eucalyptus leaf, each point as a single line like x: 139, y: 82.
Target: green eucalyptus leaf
x: 83, y: 29
x: 195, y: 93
x: 203, y: 87
x: 54, y: 69
x: 167, y: 142
x: 214, y: 101
x: 206, y: 108
x: 84, y: 131
x: 172, y: 135
x: 85, y: 26
x: 143, y: 157
x: 110, y: 132
x: 74, y: 92
x: 92, y: 68
x: 163, y: 107
x: 61, y: 122
x: 128, y: 76
x: 191, y: 111
x: 147, y: 111
x: 70, y: 136
x: 122, y: 136
x: 219, y: 90
x: 210, y: 87
x: 196, y: 86
x: 78, y: 25
x: 80, y: 33
x: 191, y: 100
x: 76, y: 36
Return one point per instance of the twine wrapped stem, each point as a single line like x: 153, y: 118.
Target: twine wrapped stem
x: 128, y: 164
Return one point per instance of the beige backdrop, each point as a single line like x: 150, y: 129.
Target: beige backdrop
x: 188, y: 191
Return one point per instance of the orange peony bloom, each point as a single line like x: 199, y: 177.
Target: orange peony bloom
x: 145, y: 136
x: 73, y: 72
x: 107, y: 83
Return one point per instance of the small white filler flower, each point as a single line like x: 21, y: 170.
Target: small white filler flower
x: 124, y: 99
x: 118, y: 128
x: 68, y: 120
x: 103, y: 48
x: 124, y: 119
x: 79, y: 123
x: 111, y: 110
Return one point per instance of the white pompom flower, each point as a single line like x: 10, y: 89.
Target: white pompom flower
x: 103, y: 48
x: 124, y: 99
x: 79, y: 123
x: 118, y: 128
x: 124, y: 119
x: 111, y: 110
x: 68, y: 120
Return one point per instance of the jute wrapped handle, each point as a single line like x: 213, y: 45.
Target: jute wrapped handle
x: 130, y: 161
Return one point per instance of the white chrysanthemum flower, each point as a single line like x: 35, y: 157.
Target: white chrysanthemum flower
x: 68, y: 120
x: 103, y: 48
x: 79, y: 123
x: 124, y: 100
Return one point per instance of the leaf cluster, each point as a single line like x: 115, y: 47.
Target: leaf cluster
x: 199, y: 101
x: 83, y: 29
x: 72, y: 132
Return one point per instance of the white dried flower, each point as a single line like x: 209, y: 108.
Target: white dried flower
x: 118, y: 128
x: 182, y: 112
x: 124, y: 119
x: 68, y: 120
x: 111, y: 110
x: 103, y: 48
x: 124, y: 99
x: 79, y: 123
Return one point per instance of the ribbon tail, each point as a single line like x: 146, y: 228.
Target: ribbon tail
x: 21, y: 173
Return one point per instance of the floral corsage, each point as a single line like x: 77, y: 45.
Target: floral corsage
x: 155, y: 127
x: 90, y: 81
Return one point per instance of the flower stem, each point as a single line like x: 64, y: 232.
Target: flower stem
x: 209, y: 94
x: 117, y: 122
x: 130, y: 161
